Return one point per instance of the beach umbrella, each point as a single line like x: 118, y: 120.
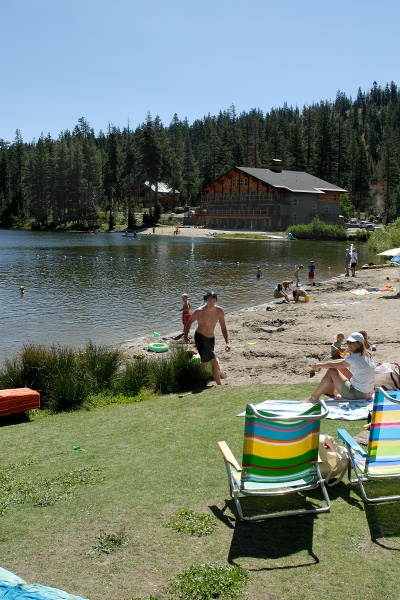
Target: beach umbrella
x: 391, y: 252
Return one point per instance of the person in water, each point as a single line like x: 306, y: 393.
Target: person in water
x: 207, y: 317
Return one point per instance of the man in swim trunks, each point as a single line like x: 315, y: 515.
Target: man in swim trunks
x: 207, y: 317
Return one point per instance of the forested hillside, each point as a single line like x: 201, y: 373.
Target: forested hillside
x: 76, y: 177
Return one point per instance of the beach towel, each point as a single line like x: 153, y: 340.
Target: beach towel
x: 13, y: 587
x: 339, y: 408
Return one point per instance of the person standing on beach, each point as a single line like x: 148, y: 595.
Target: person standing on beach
x: 347, y: 261
x: 258, y: 272
x: 354, y: 261
x: 296, y: 274
x: 207, y: 317
x: 186, y: 314
x: 311, y: 272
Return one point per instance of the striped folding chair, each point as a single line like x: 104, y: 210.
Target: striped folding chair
x: 280, y: 456
x: 381, y: 459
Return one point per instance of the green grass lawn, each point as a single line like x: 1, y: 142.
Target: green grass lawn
x: 72, y: 480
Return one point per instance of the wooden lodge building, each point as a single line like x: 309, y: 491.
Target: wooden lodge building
x: 267, y: 199
x: 148, y: 194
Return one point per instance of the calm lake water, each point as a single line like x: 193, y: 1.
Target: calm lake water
x: 109, y: 289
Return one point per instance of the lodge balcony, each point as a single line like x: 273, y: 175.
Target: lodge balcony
x: 261, y: 211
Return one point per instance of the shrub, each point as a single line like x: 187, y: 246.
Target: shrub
x: 31, y: 369
x: 65, y: 378
x: 69, y: 383
x: 134, y: 377
x: 318, y: 230
x: 192, y: 522
x: 177, y: 372
x: 207, y: 582
x: 102, y: 363
x: 384, y: 239
x: 109, y: 542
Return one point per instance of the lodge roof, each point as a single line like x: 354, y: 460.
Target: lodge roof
x: 163, y: 188
x: 294, y: 181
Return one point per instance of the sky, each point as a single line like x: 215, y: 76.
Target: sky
x: 114, y: 62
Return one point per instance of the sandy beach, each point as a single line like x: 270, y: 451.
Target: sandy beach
x: 200, y: 232
x: 280, y: 342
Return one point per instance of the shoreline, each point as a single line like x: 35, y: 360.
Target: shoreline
x: 274, y: 342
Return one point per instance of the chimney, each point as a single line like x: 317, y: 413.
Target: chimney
x: 275, y: 165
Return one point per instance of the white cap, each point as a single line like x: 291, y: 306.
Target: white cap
x: 356, y: 337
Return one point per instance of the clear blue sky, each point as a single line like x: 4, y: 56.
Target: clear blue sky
x: 113, y: 62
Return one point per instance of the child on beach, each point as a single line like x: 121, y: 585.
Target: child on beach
x: 296, y: 274
x: 259, y: 272
x: 279, y: 293
x: 336, y: 347
x: 286, y: 285
x: 311, y: 271
x: 186, y: 314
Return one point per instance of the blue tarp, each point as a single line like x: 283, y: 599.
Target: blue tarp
x: 13, y: 587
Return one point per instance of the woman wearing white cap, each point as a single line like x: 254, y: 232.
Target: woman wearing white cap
x: 353, y: 377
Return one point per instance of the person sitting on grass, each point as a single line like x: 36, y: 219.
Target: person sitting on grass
x: 279, y: 293
x: 352, y: 377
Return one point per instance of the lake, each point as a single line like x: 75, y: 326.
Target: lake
x: 109, y: 289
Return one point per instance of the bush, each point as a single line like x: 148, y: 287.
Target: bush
x: 318, y: 230
x: 102, y: 363
x: 134, y: 377
x: 33, y: 369
x: 207, y: 582
x: 176, y: 373
x: 384, y: 239
x: 65, y: 377
x: 192, y: 522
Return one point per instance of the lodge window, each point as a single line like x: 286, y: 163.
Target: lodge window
x: 295, y: 202
x: 314, y: 208
x: 294, y: 216
x: 326, y: 209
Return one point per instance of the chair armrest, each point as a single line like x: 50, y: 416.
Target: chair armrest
x: 350, y: 441
x: 393, y: 398
x: 228, y: 455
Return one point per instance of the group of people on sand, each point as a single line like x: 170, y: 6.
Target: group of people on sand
x: 350, y: 261
x: 282, y: 292
x: 349, y: 372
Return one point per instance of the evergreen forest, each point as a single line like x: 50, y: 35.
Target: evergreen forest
x: 80, y: 177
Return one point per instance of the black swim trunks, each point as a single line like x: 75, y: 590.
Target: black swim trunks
x: 205, y: 346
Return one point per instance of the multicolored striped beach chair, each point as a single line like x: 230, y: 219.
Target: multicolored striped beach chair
x: 280, y: 456
x: 381, y: 460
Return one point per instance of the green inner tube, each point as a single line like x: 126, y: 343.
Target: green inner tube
x: 158, y: 347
